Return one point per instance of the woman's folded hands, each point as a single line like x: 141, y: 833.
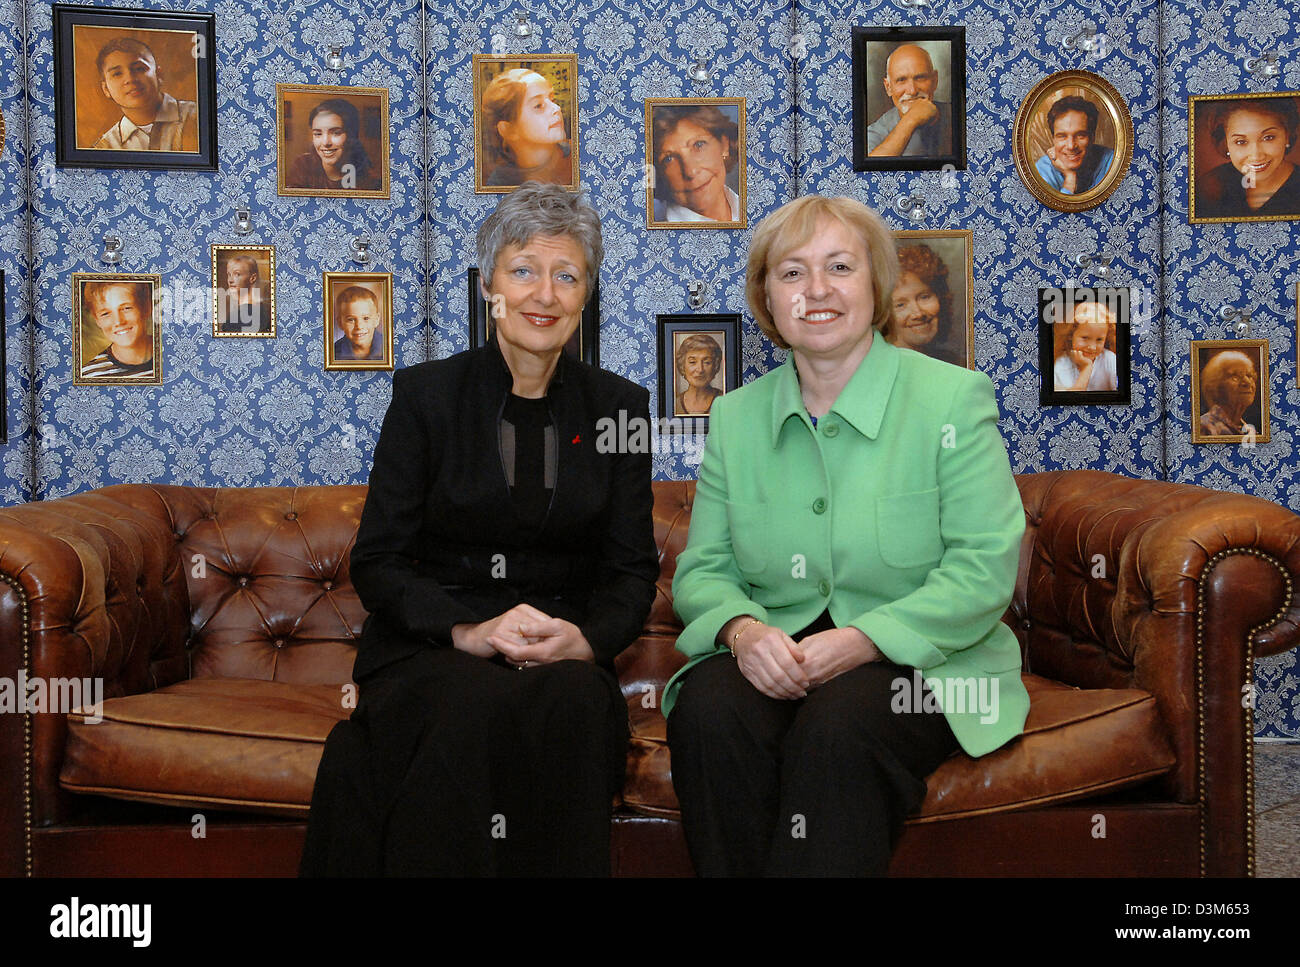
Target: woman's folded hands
x: 525, y: 636
x: 782, y: 668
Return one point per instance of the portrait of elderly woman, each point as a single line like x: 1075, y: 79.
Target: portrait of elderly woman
x: 526, y: 115
x: 910, y: 553
x: 698, y: 364
x: 1245, y: 151
x: 501, y: 581
x: 695, y: 154
x: 323, y: 135
x: 930, y: 306
x: 1230, y: 391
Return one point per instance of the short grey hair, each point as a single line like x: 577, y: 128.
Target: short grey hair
x: 536, y: 209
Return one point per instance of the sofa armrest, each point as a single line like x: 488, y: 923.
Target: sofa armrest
x: 1173, y: 589
x: 93, y: 589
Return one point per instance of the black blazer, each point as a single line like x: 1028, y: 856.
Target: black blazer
x: 439, y: 543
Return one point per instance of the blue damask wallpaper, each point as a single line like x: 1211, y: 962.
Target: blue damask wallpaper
x: 17, y: 483
x: 249, y: 412
x: 233, y: 411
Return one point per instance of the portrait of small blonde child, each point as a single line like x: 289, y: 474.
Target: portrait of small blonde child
x: 1084, y: 350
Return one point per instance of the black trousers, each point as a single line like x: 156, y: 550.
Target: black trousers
x: 818, y: 786
x: 453, y: 765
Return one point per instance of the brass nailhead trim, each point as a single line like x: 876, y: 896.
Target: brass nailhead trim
x: 27, y: 725
x: 1248, y: 712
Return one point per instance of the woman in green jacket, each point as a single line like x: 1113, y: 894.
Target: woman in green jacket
x: 854, y: 542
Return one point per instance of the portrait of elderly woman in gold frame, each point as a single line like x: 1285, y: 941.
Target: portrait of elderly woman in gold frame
x: 1230, y: 391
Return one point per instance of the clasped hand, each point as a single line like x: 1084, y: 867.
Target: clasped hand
x: 779, y: 667
x: 524, y: 635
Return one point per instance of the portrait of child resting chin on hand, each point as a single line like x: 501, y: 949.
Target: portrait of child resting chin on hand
x: 1085, y: 350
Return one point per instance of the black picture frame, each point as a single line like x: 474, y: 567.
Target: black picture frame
x: 584, y: 346
x: 868, y: 90
x: 72, y: 152
x: 1057, y: 303
x: 667, y: 328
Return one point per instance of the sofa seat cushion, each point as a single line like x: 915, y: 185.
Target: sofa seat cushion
x: 220, y: 743
x: 1077, y: 743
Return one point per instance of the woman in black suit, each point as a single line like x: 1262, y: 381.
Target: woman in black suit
x: 504, y: 561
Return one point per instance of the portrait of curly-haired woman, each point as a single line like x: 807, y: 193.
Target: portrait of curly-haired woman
x: 931, y: 308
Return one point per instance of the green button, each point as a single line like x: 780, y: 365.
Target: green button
x: 824, y: 587
x: 819, y: 505
x: 833, y: 430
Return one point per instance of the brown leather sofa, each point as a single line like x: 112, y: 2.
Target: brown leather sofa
x: 222, y: 623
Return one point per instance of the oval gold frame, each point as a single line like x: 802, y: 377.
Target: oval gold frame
x: 1111, y: 103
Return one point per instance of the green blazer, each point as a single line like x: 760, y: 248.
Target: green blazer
x: 898, y: 513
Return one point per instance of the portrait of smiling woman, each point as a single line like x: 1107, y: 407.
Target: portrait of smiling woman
x: 1259, y: 136
x: 908, y: 548
x: 932, y: 311
x: 332, y: 141
x: 695, y: 162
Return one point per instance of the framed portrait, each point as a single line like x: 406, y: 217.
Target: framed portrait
x: 243, y: 291
x: 1243, y: 159
x: 695, y: 162
x: 1073, y: 140
x: 1230, y: 391
x: 134, y: 89
x: 909, y: 98
x: 584, y: 344
x: 525, y: 120
x: 934, y: 300
x: 1083, y: 346
x: 699, y: 360
x: 358, y: 320
x: 116, y: 329
x: 331, y: 141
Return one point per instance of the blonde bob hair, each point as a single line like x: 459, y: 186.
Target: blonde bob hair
x: 792, y: 226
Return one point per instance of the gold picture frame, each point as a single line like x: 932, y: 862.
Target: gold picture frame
x: 495, y: 165
x: 360, y: 115
x: 238, y: 316
x: 1219, y: 193
x: 943, y: 345
x: 666, y: 205
x: 1212, y: 404
x: 1102, y: 165
x: 116, y: 308
x: 340, y: 342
